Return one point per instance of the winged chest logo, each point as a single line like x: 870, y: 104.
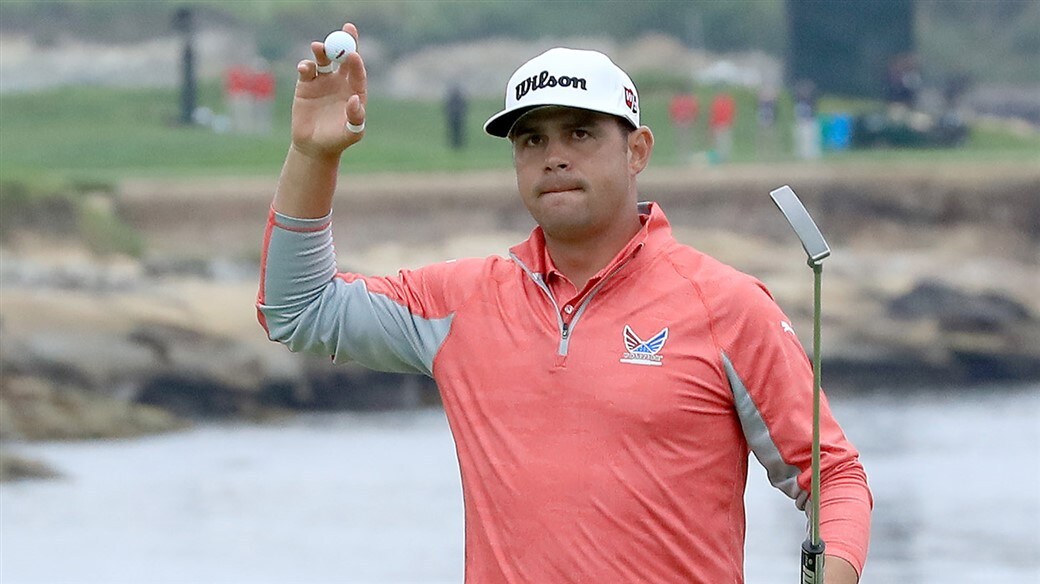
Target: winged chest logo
x: 642, y: 352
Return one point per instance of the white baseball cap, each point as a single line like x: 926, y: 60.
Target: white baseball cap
x: 570, y: 78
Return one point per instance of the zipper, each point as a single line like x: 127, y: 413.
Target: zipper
x: 564, y: 345
x: 537, y: 279
x: 566, y: 329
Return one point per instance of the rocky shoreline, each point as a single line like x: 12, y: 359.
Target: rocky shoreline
x: 933, y: 281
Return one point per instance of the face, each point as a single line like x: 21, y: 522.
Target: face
x: 576, y: 171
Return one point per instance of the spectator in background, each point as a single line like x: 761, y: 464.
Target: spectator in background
x: 455, y: 114
x: 806, y: 128
x: 902, y: 81
x: 765, y: 138
x: 239, y: 96
x: 249, y: 92
x: 263, y: 86
x: 683, y: 111
x: 723, y: 114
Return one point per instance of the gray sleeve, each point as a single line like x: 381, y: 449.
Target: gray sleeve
x: 306, y: 307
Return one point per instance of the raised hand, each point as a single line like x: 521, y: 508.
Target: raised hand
x: 324, y: 103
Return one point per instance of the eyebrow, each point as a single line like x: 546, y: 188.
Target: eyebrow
x: 577, y: 119
x: 519, y: 129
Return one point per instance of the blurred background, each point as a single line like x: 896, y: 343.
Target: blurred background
x: 149, y: 432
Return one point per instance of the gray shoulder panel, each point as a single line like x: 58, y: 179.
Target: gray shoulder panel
x: 307, y: 308
x: 379, y: 333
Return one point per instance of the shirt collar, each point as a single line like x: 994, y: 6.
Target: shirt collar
x: 534, y: 254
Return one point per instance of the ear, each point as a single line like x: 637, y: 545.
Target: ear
x: 640, y: 146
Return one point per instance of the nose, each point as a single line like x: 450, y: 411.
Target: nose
x: 556, y: 156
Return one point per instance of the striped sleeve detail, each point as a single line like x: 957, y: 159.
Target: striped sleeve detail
x: 300, y: 225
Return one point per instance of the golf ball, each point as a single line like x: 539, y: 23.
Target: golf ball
x: 338, y: 45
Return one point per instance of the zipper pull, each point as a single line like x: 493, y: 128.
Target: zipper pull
x: 566, y: 331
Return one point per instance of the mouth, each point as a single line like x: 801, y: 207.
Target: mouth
x: 558, y: 192
x: 560, y: 187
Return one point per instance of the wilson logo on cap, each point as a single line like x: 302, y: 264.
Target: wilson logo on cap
x: 570, y: 78
x: 544, y: 79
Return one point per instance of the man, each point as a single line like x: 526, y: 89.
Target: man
x: 604, y: 383
x: 455, y: 115
x: 720, y: 121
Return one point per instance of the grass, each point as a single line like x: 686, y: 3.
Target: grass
x: 86, y: 134
x: 104, y: 134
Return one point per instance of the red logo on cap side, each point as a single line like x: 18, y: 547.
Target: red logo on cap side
x: 630, y: 100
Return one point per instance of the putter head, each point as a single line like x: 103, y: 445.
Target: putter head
x: 804, y: 227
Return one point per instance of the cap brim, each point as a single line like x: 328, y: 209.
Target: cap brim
x: 499, y: 124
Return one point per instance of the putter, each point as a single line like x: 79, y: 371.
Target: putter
x: 817, y: 249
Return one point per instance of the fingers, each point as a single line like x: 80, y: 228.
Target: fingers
x: 355, y: 115
x: 307, y: 69
x: 318, y: 49
x: 357, y: 78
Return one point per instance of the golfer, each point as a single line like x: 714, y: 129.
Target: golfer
x: 604, y: 384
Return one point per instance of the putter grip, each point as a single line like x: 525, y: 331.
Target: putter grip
x: 812, y: 562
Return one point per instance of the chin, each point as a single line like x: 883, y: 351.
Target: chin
x: 565, y: 228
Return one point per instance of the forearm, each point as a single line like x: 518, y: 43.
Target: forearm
x: 845, y: 508
x: 306, y: 184
x: 838, y: 571
x: 328, y: 108
x: 297, y: 268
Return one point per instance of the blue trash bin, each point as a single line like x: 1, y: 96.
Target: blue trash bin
x: 837, y: 131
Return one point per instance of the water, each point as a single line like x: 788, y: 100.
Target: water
x: 376, y: 498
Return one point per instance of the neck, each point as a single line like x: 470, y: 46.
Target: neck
x: 581, y: 259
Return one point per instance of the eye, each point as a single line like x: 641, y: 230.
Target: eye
x: 532, y: 140
x: 580, y: 133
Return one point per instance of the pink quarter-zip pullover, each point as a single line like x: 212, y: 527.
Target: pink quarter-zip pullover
x: 602, y: 434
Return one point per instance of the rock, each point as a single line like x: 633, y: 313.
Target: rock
x: 14, y: 468
x: 352, y: 387
x: 975, y: 337
x: 37, y: 408
x: 956, y: 310
x: 199, y: 354
x: 932, y: 285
